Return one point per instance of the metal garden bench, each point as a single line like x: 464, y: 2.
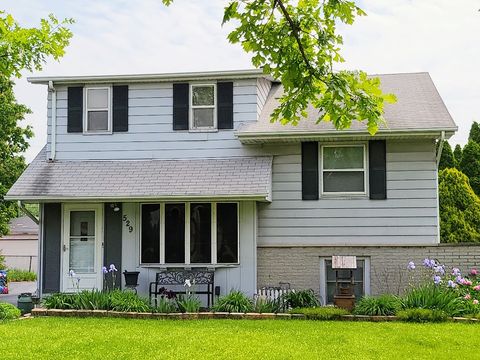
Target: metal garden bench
x: 198, y: 278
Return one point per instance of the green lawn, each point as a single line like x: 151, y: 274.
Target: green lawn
x: 94, y: 338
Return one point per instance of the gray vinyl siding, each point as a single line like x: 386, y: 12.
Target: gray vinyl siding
x: 408, y: 216
x: 150, y: 132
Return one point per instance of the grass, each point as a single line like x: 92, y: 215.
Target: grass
x: 95, y: 338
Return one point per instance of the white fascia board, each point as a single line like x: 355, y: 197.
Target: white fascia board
x: 53, y: 198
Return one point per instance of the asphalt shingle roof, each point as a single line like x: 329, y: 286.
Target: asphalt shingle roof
x: 418, y: 107
x: 139, y: 179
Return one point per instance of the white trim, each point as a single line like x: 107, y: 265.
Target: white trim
x: 323, y: 277
x: 53, y: 141
x: 364, y: 170
x: 65, y: 243
x: 109, y: 110
x: 166, y: 77
x: 183, y: 198
x: 191, y: 108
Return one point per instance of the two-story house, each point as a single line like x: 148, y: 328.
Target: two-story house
x: 187, y: 171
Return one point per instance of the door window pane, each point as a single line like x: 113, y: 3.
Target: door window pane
x: 227, y: 233
x: 174, y: 233
x: 97, y: 121
x: 358, y: 275
x: 82, y: 241
x: 150, y: 233
x: 343, y: 157
x: 200, y: 233
x: 203, y: 118
x: 344, y: 181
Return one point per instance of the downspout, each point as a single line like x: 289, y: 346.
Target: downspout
x: 21, y: 205
x: 53, y: 140
x: 440, y: 148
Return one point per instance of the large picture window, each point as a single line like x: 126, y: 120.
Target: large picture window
x: 343, y: 169
x: 189, y: 233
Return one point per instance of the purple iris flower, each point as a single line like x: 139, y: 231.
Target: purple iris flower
x: 437, y: 279
x: 429, y: 263
x: 104, y: 270
x: 411, y: 265
x: 456, y: 272
x: 451, y: 284
x: 440, y: 269
x: 112, y: 268
x: 459, y: 279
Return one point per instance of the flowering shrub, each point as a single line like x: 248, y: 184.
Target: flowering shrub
x: 459, y: 294
x: 110, y: 277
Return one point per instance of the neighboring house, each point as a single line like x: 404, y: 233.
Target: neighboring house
x: 20, y: 246
x: 187, y: 171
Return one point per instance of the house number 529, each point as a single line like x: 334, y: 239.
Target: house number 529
x: 127, y: 223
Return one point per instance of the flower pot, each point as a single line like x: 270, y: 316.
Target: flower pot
x: 131, y: 278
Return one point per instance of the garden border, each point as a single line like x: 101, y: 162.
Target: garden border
x: 42, y: 312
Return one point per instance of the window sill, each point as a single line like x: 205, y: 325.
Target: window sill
x: 97, y: 133
x: 203, y: 130
x: 188, y: 266
x: 344, y: 196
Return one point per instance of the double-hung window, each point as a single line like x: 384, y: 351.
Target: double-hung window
x: 189, y: 233
x: 343, y: 169
x: 203, y: 110
x: 98, y: 114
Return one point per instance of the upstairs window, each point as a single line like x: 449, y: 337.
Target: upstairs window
x: 98, y: 110
x: 203, y: 113
x: 343, y: 169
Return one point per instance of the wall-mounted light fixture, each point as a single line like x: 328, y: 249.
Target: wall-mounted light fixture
x: 115, y: 207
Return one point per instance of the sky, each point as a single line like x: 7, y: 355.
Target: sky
x: 143, y: 36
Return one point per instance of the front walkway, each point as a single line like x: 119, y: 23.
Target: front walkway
x: 17, y: 288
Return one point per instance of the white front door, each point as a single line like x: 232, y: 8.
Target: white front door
x: 82, y: 246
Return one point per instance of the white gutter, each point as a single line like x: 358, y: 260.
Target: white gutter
x: 53, y: 140
x: 166, y: 77
x: 440, y: 148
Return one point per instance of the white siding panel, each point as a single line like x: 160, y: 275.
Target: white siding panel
x: 408, y: 215
x: 150, y: 133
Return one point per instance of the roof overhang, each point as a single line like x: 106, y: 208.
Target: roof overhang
x: 167, y: 77
x: 248, y: 137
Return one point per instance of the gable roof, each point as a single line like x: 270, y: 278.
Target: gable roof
x: 419, y: 108
x: 242, y: 178
x: 21, y: 228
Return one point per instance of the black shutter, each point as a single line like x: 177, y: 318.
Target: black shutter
x: 310, y: 171
x: 180, y: 106
x: 378, y: 169
x: 225, y: 105
x: 75, y: 109
x: 120, y: 108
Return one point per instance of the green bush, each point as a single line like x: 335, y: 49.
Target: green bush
x: 9, y: 312
x: 470, y: 164
x: 422, y: 315
x: 459, y: 208
x: 384, y: 305
x: 2, y: 261
x: 96, y: 300
x: 190, y: 304
x: 431, y: 297
x: 235, y: 302
x: 447, y: 159
x: 301, y: 299
x: 128, y: 302
x: 21, y: 275
x: 321, y: 313
x: 264, y: 306
x: 165, y: 306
